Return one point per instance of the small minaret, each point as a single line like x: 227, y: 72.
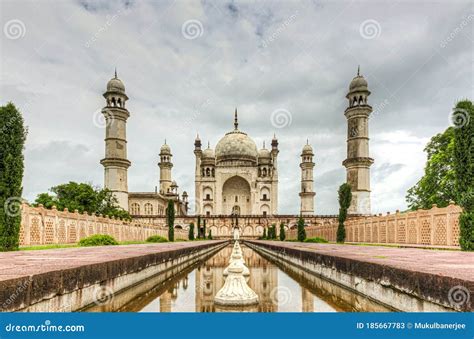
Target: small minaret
x: 165, y: 165
x: 115, y: 162
x: 358, y: 161
x: 197, y: 174
x: 307, y: 194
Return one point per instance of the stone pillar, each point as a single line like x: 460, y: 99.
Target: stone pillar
x: 358, y: 161
x: 115, y: 162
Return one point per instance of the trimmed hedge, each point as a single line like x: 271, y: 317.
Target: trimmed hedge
x: 156, y: 238
x: 316, y: 240
x: 98, y: 240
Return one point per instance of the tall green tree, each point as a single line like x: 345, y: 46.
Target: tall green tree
x: 282, y: 232
x: 199, y: 226
x: 463, y: 118
x: 204, y: 228
x: 170, y: 213
x: 209, y: 235
x: 12, y: 141
x: 264, y: 236
x: 437, y: 186
x: 191, y: 231
x: 82, y: 197
x: 301, y: 230
x: 345, y: 197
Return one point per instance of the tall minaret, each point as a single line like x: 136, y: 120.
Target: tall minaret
x: 307, y: 193
x: 197, y: 175
x: 358, y: 161
x: 165, y: 165
x: 274, y: 153
x: 115, y: 162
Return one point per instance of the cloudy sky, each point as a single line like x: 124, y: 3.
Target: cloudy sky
x: 187, y: 64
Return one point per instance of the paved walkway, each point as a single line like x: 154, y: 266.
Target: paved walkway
x: 455, y: 264
x: 25, y: 263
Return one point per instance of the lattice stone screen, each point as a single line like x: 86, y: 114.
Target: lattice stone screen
x: 436, y: 226
x: 40, y: 226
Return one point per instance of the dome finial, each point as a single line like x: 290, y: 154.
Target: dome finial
x: 236, y: 121
x: 165, y: 141
x: 208, y: 144
x: 307, y: 141
x: 264, y: 144
x: 115, y: 72
x: 358, y: 70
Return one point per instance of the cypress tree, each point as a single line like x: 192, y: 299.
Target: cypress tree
x: 301, y: 230
x: 204, y: 228
x: 199, y: 226
x: 210, y: 235
x: 170, y: 220
x: 191, y: 231
x: 463, y: 120
x: 345, y: 197
x: 282, y: 232
x: 12, y: 140
x: 264, y: 236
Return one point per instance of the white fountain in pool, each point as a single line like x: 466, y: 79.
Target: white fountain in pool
x: 235, y: 291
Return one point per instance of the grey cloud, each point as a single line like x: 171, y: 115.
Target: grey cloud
x: 296, y: 55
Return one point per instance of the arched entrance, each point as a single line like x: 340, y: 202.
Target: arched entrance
x: 236, y: 196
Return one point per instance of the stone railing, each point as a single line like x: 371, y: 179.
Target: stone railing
x: 41, y: 226
x: 435, y: 227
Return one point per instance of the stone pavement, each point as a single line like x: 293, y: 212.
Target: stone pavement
x: 26, y: 263
x: 454, y: 264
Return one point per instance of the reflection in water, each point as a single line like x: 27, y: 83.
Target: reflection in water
x: 286, y: 290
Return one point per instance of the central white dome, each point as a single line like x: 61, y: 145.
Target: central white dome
x: 236, y: 145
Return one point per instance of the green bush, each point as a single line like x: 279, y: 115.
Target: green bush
x: 98, y: 240
x: 316, y: 240
x: 156, y: 238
